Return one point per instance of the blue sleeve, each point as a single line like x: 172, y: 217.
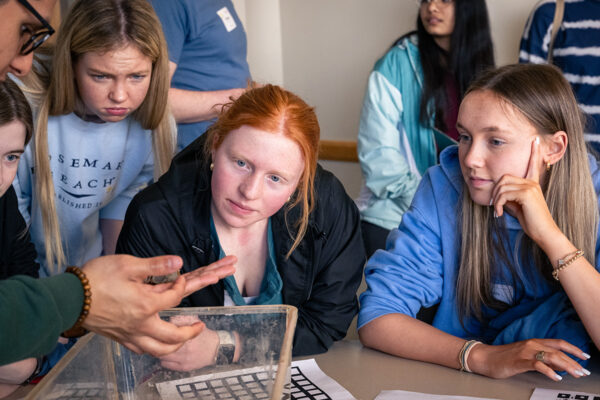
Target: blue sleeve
x: 173, y: 17
x: 409, y: 273
x: 536, y: 36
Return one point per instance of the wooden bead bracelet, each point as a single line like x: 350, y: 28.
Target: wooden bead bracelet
x: 77, y: 330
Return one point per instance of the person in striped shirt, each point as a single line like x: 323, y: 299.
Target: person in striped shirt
x: 576, y: 52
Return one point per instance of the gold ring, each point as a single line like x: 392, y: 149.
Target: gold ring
x: 540, y: 356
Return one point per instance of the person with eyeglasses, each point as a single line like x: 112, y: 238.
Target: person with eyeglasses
x: 410, y: 107
x: 33, y: 312
x: 103, y: 131
x: 23, y: 29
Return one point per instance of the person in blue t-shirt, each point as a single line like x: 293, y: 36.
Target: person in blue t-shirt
x: 576, y: 52
x: 207, y: 54
x: 503, y: 235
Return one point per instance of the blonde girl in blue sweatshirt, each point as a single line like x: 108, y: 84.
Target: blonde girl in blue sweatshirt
x: 103, y: 130
x: 502, y: 235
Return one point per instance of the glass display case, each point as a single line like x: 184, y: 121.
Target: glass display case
x: 249, y: 360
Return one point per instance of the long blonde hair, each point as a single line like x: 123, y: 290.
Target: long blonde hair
x: 550, y: 107
x: 100, y: 26
x: 273, y: 109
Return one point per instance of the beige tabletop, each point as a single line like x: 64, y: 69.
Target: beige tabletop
x: 365, y: 372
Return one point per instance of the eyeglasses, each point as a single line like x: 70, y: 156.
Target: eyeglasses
x: 443, y: 2
x: 38, y: 37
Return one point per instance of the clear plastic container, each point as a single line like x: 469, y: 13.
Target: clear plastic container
x: 99, y: 368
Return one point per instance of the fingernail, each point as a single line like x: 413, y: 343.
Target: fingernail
x: 495, y: 214
x: 537, y: 140
x: 586, y: 356
x: 585, y: 371
x: 558, y: 377
x: 579, y: 372
x: 491, y: 201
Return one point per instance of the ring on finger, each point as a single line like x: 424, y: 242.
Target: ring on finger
x: 540, y: 356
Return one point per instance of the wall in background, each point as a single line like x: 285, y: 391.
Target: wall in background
x: 323, y: 50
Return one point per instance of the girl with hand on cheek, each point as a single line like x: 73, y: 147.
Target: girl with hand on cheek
x: 251, y: 187
x: 103, y: 130
x: 502, y: 235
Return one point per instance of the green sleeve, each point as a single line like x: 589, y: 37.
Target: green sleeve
x: 34, y: 312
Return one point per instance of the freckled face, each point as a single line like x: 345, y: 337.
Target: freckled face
x: 494, y: 140
x: 254, y: 174
x: 114, y: 84
x: 12, y: 145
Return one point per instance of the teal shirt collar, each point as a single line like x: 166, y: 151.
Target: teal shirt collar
x: 270, y: 288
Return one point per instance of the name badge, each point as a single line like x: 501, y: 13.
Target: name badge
x: 227, y: 19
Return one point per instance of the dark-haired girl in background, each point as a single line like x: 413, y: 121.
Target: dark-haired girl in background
x: 411, y: 104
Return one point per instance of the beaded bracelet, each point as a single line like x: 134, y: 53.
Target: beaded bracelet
x: 565, y: 262
x: 77, y: 330
x: 464, y: 354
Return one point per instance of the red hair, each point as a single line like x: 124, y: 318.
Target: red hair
x: 273, y: 109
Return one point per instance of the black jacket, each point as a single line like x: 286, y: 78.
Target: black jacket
x: 320, y: 278
x: 17, y: 253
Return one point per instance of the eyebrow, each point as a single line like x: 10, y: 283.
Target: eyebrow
x: 20, y: 151
x: 490, y: 129
x: 100, y: 72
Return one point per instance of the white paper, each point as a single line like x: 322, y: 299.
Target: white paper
x: 310, y: 382
x: 404, y: 395
x: 550, y: 394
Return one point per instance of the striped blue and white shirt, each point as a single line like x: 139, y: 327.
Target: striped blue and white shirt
x: 576, y: 51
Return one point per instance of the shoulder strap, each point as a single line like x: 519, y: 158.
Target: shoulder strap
x: 558, y: 17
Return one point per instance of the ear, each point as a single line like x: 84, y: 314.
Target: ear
x: 555, y: 147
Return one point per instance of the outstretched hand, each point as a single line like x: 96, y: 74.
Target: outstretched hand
x: 511, y: 359
x: 523, y: 198
x: 125, y: 309
x: 211, y: 274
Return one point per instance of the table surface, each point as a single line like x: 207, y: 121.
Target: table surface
x: 365, y: 372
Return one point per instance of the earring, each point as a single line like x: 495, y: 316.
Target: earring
x: 212, y: 165
x: 548, y: 165
x: 289, y: 198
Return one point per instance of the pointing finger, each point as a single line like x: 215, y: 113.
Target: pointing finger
x: 533, y: 169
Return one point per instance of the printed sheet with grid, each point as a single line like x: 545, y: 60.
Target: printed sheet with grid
x: 308, y: 382
x: 241, y: 384
x: 548, y: 394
